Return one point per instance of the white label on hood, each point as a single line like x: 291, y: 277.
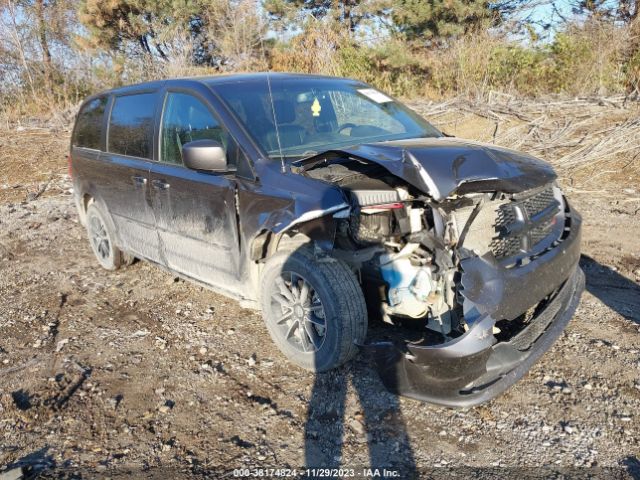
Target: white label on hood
x: 375, y: 95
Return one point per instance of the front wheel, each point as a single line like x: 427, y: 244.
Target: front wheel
x: 314, y: 309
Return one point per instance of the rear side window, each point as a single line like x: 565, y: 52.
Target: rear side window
x: 131, y: 125
x: 88, y: 132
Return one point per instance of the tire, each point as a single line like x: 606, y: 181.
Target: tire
x: 127, y: 259
x: 330, y: 311
x: 102, y: 240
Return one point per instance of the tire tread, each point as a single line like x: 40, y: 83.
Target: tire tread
x: 343, y: 284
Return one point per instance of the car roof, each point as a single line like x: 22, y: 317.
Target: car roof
x: 211, y: 80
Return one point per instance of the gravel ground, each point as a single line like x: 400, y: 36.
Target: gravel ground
x: 136, y: 374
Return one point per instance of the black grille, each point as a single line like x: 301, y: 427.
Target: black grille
x: 536, y: 203
x: 505, y: 247
x: 506, y: 216
x: 513, y: 226
x: 539, y: 233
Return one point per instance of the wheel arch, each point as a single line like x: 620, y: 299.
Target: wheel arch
x: 319, y: 231
x: 84, y: 200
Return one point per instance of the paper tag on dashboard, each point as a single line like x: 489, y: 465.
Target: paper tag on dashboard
x: 375, y: 95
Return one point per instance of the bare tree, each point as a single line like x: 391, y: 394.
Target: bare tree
x: 44, y: 45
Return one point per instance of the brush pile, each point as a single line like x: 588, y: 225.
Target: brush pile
x: 584, y: 138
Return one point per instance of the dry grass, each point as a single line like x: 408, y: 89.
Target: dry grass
x: 590, y: 141
x: 33, y: 160
x: 584, y: 59
x: 594, y: 143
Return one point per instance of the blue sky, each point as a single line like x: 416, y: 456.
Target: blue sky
x: 552, y: 12
x: 546, y: 12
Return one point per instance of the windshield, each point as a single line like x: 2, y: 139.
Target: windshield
x: 313, y: 115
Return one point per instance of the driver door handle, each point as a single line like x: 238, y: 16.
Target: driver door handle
x: 160, y: 184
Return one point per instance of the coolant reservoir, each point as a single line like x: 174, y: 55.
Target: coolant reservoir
x: 421, y: 285
x: 409, y: 287
x: 399, y: 274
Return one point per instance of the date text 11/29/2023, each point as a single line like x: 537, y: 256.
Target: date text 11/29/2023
x: 315, y: 473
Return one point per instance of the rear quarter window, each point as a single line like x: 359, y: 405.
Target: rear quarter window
x: 88, y: 131
x: 131, y: 125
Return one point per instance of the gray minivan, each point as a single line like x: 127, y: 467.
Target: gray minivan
x: 328, y: 204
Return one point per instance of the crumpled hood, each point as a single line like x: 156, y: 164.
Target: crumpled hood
x: 443, y: 166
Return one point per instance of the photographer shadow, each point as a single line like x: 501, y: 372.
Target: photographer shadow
x: 376, y: 420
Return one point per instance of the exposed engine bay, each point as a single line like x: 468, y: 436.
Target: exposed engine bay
x: 409, y: 248
x: 471, y: 246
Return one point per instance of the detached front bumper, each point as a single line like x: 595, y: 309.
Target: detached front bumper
x: 473, y: 368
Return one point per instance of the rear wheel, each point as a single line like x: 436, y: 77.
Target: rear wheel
x: 314, y: 309
x: 101, y: 238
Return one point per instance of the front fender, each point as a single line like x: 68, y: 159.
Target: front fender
x: 287, y: 203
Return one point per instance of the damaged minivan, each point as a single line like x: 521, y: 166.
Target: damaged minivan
x: 331, y: 207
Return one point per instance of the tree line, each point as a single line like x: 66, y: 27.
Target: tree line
x: 54, y: 52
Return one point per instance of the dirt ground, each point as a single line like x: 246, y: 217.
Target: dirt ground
x: 135, y: 374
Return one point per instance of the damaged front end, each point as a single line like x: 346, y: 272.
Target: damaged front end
x: 483, y: 270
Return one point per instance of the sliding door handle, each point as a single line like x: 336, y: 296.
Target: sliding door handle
x: 139, y: 181
x: 160, y: 184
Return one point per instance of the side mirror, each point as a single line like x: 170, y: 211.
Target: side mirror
x: 204, y: 155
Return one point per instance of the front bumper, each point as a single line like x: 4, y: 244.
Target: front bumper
x: 473, y: 368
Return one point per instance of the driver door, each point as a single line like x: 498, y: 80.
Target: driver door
x: 195, y: 212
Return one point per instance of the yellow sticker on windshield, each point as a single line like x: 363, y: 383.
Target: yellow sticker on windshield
x: 316, y: 108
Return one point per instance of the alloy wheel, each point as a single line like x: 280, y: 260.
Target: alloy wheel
x: 99, y: 238
x: 299, y: 313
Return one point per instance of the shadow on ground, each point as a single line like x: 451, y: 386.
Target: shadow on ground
x: 377, y: 422
x: 632, y: 466
x: 31, y: 465
x: 613, y: 289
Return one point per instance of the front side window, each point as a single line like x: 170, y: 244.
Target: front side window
x: 131, y: 125
x: 88, y: 132
x: 185, y: 120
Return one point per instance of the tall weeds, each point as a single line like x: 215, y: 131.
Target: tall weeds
x: 595, y: 58
x: 592, y: 58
